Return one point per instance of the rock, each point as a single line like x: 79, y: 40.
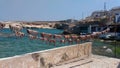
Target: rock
x: 104, y: 47
x: 108, y: 50
x: 102, y: 40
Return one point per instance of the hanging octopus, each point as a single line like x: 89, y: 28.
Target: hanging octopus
x: 32, y: 32
x: 19, y: 34
x: 2, y: 25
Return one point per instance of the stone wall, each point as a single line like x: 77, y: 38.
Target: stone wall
x: 47, y: 58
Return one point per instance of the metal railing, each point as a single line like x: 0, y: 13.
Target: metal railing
x: 110, y: 48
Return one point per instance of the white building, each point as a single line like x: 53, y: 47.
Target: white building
x: 116, y: 12
x: 99, y: 14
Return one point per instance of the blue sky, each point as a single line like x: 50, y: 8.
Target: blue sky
x: 36, y: 10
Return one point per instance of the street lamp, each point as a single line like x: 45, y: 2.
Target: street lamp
x: 115, y: 38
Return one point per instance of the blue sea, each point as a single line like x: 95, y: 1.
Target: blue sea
x: 11, y: 46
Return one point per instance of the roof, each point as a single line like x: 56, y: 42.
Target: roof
x: 115, y: 8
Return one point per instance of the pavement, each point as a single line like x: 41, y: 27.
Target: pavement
x: 95, y: 61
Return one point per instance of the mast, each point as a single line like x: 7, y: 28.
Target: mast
x: 104, y: 6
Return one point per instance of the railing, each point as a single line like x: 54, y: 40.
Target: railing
x: 110, y: 48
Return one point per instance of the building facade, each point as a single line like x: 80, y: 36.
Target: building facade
x: 116, y: 13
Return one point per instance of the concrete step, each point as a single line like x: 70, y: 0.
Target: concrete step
x: 95, y: 61
x: 74, y: 63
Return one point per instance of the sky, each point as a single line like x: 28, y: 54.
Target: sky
x: 51, y: 10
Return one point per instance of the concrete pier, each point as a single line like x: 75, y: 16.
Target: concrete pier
x: 47, y: 58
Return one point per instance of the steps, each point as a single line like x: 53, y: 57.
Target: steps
x: 73, y: 63
x: 95, y: 61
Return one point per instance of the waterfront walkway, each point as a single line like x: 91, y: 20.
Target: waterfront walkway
x: 94, y: 61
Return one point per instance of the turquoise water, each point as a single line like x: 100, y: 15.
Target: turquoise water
x: 11, y: 46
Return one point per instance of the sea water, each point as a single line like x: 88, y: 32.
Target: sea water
x: 11, y: 45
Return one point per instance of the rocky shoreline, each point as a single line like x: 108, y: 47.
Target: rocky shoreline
x: 25, y: 25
